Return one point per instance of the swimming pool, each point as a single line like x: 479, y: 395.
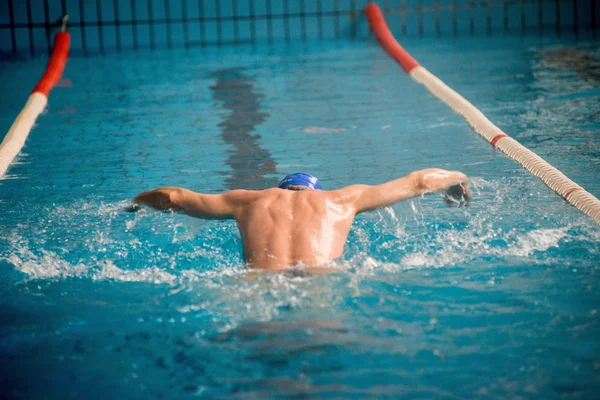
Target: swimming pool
x: 494, y: 301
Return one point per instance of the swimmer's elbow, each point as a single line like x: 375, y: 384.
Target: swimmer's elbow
x: 176, y: 198
x: 200, y: 205
x: 417, y: 182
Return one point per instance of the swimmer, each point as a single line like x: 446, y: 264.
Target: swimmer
x: 298, y: 223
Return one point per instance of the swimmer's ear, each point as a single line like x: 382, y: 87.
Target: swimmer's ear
x: 458, y: 195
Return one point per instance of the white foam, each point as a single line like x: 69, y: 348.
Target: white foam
x: 48, y: 265
x: 318, y: 129
x: 443, y: 124
x: 538, y: 240
x: 153, y: 275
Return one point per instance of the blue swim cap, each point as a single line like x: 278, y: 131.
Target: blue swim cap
x: 302, y: 179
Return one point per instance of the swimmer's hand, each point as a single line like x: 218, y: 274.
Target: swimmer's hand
x: 452, y: 183
x: 436, y: 179
x: 159, y: 199
x: 458, y: 195
x: 133, y: 207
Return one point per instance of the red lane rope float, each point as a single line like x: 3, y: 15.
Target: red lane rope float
x: 570, y: 192
x: 552, y: 177
x: 496, y: 138
x: 386, y: 38
x: 56, y: 65
x: 17, y: 134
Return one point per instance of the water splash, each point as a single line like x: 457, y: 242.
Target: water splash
x: 90, y: 239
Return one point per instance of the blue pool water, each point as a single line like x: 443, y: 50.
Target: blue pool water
x: 498, y: 300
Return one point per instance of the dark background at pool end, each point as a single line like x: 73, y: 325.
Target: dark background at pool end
x: 122, y: 25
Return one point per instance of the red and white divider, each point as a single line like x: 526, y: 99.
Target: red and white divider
x: 552, y: 177
x: 17, y: 134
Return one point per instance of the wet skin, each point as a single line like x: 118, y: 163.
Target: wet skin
x: 281, y: 228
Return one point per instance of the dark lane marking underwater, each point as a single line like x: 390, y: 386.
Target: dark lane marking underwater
x: 583, y: 64
x: 248, y: 161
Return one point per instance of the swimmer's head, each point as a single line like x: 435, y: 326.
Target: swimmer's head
x: 300, y: 181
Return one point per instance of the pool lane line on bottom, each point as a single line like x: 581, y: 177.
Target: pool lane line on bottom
x: 552, y: 177
x: 19, y: 131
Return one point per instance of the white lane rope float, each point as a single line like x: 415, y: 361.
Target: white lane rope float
x: 17, y: 134
x: 552, y: 177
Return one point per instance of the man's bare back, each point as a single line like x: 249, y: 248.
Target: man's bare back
x: 285, y: 227
x: 281, y: 227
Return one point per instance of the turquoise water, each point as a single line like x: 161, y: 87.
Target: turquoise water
x: 497, y: 300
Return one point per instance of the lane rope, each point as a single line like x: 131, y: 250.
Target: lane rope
x: 552, y: 177
x: 17, y: 134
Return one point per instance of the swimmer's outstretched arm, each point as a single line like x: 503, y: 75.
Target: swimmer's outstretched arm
x: 200, y: 205
x: 367, y: 197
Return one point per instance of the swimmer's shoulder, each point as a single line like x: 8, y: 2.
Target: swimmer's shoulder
x: 245, y: 197
x: 258, y: 196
